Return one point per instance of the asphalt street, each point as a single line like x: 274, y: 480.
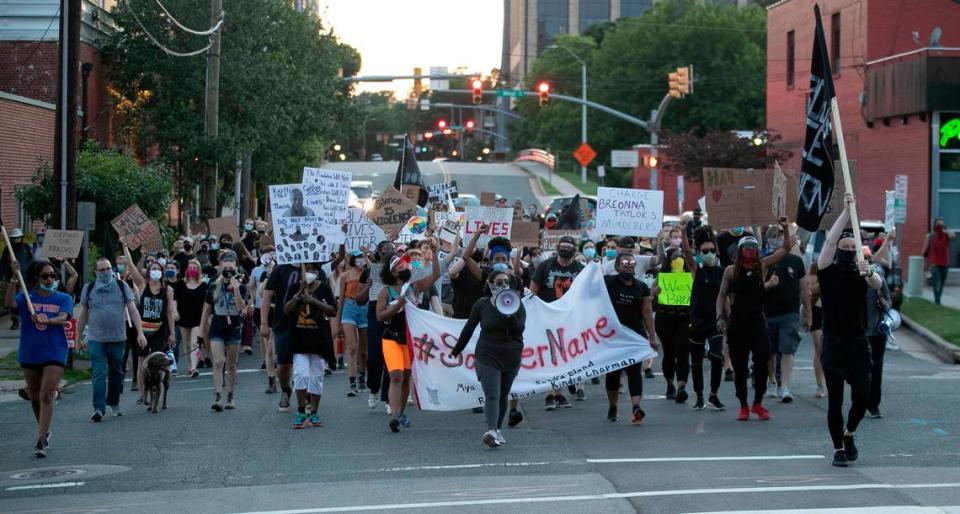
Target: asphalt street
x: 189, y: 459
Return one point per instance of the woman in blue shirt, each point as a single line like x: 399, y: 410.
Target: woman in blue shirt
x: 43, y: 344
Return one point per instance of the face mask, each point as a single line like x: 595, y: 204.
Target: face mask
x: 589, y: 252
x: 416, y: 264
x: 537, y: 260
x: 51, y: 288
x: 610, y: 254
x: 736, y: 231
x: 162, y: 261
x: 676, y: 266
x: 265, y: 259
x: 566, y: 253
x: 361, y: 263
x: 749, y: 256
x: 846, y: 258
x: 676, y: 242
x: 500, y: 267
x: 310, y: 277
x: 121, y: 268
x: 193, y: 273
x: 774, y: 244
x: 248, y: 226
x: 648, y: 281
x: 626, y: 275
x: 709, y: 259
x: 214, y: 246
x: 405, y: 275
x: 104, y: 277
x: 155, y: 274
x: 227, y: 273
x: 170, y: 273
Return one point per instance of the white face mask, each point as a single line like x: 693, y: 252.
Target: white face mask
x: 310, y: 277
x: 162, y: 261
x: 155, y: 274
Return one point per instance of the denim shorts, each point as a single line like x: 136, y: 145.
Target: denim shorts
x: 354, y: 314
x: 784, y: 333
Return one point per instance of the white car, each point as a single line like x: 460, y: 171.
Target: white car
x: 363, y: 190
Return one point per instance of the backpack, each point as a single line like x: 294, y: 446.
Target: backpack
x: 89, y: 286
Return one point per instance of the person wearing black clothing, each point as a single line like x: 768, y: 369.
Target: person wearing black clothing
x: 673, y: 322
x: 694, y: 224
x: 377, y: 378
x: 280, y: 288
x: 740, y: 315
x: 703, y: 334
x: 727, y: 244
x: 846, y: 351
x: 632, y: 302
x: 497, y: 353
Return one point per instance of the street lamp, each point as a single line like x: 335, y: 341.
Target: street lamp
x: 583, y: 106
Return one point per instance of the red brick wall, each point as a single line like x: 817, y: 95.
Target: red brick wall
x: 26, y: 134
x: 29, y: 68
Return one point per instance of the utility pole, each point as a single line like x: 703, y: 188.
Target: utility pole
x: 65, y: 138
x: 208, y: 204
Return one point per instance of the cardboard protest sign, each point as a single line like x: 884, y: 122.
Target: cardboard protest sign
x: 499, y: 219
x: 674, y: 288
x: 487, y: 199
x: 439, y: 192
x: 135, y: 227
x: 550, y: 238
x: 62, y: 244
x: 361, y: 231
x: 411, y: 192
x: 629, y: 212
x: 392, y: 210
x: 153, y: 243
x: 299, y: 232
x: 330, y: 190
x: 738, y: 197
x: 525, y: 234
x: 224, y: 225
x: 835, y: 207
x: 779, y: 205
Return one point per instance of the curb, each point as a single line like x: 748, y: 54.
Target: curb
x: 535, y: 186
x: 947, y: 352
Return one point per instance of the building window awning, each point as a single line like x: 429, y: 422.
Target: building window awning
x: 924, y: 80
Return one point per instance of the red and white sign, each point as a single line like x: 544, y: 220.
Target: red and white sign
x: 499, y: 219
x: 70, y: 330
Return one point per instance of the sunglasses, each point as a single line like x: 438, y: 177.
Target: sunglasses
x: 45, y: 276
x: 707, y: 251
x: 628, y: 262
x: 501, y: 283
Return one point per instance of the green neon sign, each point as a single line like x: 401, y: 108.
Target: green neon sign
x: 949, y: 130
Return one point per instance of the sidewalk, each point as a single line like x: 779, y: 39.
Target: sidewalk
x: 950, y: 297
x: 539, y: 171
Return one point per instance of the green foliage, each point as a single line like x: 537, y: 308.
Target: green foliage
x: 628, y: 63
x: 687, y: 153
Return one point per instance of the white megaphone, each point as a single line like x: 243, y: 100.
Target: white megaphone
x: 507, y: 302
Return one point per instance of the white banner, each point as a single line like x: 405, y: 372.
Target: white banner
x: 629, y: 212
x: 571, y: 340
x: 361, y: 231
x: 499, y: 219
x: 304, y: 223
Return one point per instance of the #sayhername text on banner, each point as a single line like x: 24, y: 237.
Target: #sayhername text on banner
x: 629, y: 212
x: 571, y: 340
x: 301, y: 234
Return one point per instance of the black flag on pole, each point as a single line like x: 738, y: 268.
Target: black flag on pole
x: 408, y: 172
x: 571, y: 216
x: 816, y: 167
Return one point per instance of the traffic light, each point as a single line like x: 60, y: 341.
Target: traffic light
x: 441, y: 124
x: 674, y: 81
x: 477, y: 87
x: 428, y: 135
x: 417, y: 85
x: 684, y: 82
x: 650, y: 161
x: 544, y: 89
x: 469, y: 125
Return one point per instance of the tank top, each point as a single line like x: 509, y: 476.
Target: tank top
x: 396, y: 328
x: 750, y: 295
x: 153, y: 310
x: 703, y: 298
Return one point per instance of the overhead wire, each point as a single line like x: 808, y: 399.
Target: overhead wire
x: 184, y: 28
x: 156, y: 42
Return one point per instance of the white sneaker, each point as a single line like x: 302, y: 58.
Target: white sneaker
x: 115, y: 410
x: 490, y: 439
x: 773, y: 391
x: 500, y: 438
x: 388, y: 409
x: 785, y: 395
x: 372, y: 401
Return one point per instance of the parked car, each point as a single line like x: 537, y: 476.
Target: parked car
x: 464, y: 200
x: 376, y: 157
x: 561, y: 202
x: 363, y: 189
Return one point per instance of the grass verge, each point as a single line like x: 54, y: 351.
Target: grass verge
x: 573, y: 177
x: 10, y: 370
x: 936, y: 318
x: 548, y: 188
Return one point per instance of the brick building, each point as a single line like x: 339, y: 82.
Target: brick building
x: 898, y: 85
x: 28, y: 89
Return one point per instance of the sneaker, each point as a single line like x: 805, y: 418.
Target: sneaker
x: 208, y: 363
x: 892, y: 346
x: 353, y: 390
x: 671, y: 392
x: 372, y: 400
x: 300, y: 421
x: 728, y: 375
x: 760, y: 411
x: 46, y: 441
x: 773, y: 392
x: 140, y: 401
x: 515, y: 418
x: 22, y: 393
x: 714, y: 402
x: 387, y: 408
x: 284, y: 402
x: 581, y: 395
x: 572, y: 389
x: 315, y: 420
x: 682, y: 394
x: 477, y: 410
x: 362, y: 384
x: 340, y: 363
x: 562, y: 402
x: 785, y: 396
x: 217, y: 404
x: 744, y: 414
x: 39, y: 451
x: 698, y: 405
x: 840, y: 459
x: 394, y: 425
x: 875, y: 413
x: 327, y: 372
x: 550, y: 402
x: 612, y: 414
x: 201, y: 364
x: 648, y: 373
x: 194, y: 374
x: 115, y: 410
x: 97, y: 416
x: 850, y: 448
x: 404, y: 421
x: 500, y: 438
x: 637, y: 416
x: 231, y: 404
x: 490, y: 439
x: 248, y: 350
x: 271, y: 385
x: 410, y: 398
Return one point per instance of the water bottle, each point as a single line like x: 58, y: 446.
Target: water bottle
x: 173, y: 362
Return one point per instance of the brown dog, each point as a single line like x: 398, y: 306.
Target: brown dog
x: 156, y: 380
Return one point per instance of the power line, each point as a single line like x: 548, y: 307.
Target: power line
x: 183, y: 27
x: 160, y: 45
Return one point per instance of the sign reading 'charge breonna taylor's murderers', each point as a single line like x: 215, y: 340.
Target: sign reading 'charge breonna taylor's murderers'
x: 629, y: 212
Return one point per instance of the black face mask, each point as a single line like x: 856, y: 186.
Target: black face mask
x: 405, y: 275
x: 227, y: 273
x: 566, y: 253
x: 626, y: 275
x: 846, y: 258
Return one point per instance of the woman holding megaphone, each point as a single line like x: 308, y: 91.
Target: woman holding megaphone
x: 501, y: 317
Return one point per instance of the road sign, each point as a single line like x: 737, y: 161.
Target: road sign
x: 624, y: 158
x: 515, y: 93
x: 584, y: 154
x: 900, y: 201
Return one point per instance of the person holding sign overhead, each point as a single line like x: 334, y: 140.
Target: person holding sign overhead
x: 740, y: 315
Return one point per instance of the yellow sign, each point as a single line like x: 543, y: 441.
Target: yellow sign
x: 674, y: 288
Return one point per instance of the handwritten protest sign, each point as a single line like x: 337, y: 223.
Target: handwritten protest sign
x: 153, y: 243
x: 224, y: 225
x: 62, y: 244
x: 499, y: 219
x: 779, y: 205
x: 525, y: 234
x: 738, y: 197
x: 392, y: 210
x: 411, y: 192
x: 550, y: 238
x: 331, y: 191
x: 300, y: 233
x: 629, y: 212
x: 135, y: 227
x: 361, y: 231
x: 439, y: 192
x: 674, y: 288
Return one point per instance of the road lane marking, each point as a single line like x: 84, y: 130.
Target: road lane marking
x: 611, y: 496
x: 44, y: 486
x: 882, y: 509
x: 465, y: 466
x: 706, y: 459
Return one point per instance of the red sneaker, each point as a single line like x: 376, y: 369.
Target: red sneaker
x: 761, y: 412
x: 744, y: 414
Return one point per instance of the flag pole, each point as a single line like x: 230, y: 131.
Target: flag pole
x: 847, y: 182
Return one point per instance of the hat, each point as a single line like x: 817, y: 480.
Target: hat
x: 697, y: 211
x: 15, y: 233
x: 748, y: 241
x: 626, y: 242
x: 356, y: 253
x: 567, y: 239
x: 398, y: 259
x: 551, y: 216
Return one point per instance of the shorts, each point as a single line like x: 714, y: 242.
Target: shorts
x: 308, y: 370
x: 281, y: 345
x: 156, y: 342
x: 816, y: 322
x: 40, y: 366
x: 783, y: 331
x: 846, y: 357
x: 396, y: 356
x: 226, y: 334
x: 354, y: 314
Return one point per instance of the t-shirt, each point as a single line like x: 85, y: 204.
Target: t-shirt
x: 256, y: 274
x: 310, y: 332
x: 43, y: 344
x: 189, y: 303
x: 467, y: 289
x: 843, y: 293
x: 106, y: 321
x: 225, y: 309
x: 555, y: 280
x: 501, y: 337
x: 283, y: 281
x: 627, y: 300
x: 785, y: 298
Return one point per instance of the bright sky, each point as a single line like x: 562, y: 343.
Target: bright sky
x: 394, y: 36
